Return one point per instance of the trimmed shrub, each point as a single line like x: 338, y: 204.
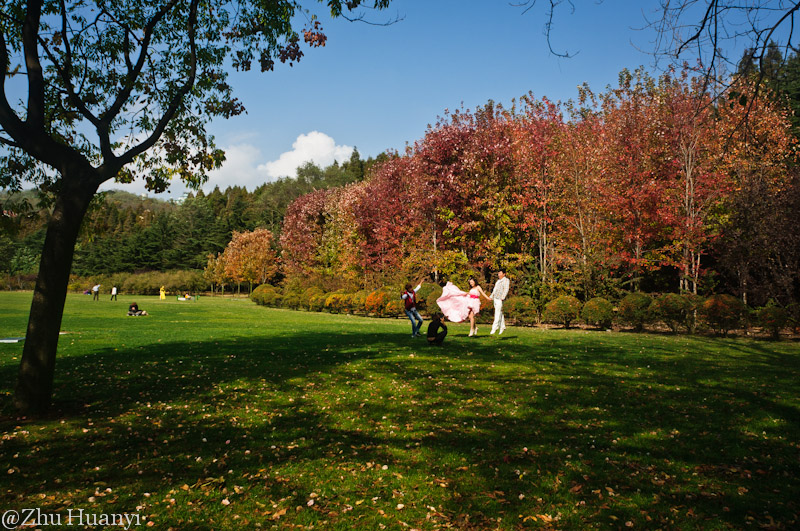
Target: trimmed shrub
x: 486, y: 314
x: 266, y: 295
x: 564, y: 309
x: 358, y: 302
x: 672, y: 309
x: 376, y: 301
x: 598, y: 312
x: 316, y: 303
x: 309, y: 295
x: 520, y: 308
x: 394, y: 308
x: 423, y: 296
x: 773, y: 318
x: 337, y: 302
x: 633, y: 310
x: 292, y: 300
x: 430, y: 299
x: 723, y: 313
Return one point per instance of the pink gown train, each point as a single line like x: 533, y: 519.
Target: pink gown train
x: 456, y: 304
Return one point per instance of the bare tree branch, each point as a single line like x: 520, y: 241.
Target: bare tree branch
x: 125, y: 93
x: 175, y: 104
x: 548, y: 26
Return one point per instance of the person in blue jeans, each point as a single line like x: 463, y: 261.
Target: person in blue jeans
x: 409, y: 296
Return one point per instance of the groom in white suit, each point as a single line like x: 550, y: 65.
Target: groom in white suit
x: 499, y: 294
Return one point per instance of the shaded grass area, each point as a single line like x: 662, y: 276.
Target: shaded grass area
x: 223, y: 415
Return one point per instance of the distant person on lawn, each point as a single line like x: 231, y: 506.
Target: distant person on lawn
x: 134, y: 311
x: 114, y: 293
x: 434, y: 336
x: 409, y: 297
x: 96, y: 292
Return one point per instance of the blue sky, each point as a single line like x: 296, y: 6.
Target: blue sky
x: 378, y: 87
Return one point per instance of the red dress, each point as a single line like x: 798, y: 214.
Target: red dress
x: 456, y: 304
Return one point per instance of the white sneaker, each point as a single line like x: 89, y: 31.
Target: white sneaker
x: 501, y: 331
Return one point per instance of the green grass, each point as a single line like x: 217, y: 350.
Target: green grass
x: 224, y: 415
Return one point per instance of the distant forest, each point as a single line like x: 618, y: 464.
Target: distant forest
x: 124, y: 232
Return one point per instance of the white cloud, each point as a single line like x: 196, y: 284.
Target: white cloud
x: 314, y: 147
x: 239, y: 168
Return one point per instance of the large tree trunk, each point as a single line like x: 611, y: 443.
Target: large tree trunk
x: 35, y: 381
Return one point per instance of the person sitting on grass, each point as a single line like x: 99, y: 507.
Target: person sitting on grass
x: 434, y: 336
x: 134, y: 311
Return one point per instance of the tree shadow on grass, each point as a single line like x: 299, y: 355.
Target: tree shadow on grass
x: 480, y: 431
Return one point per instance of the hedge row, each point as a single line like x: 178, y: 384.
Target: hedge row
x: 148, y: 283
x: 720, y: 313
x: 382, y: 302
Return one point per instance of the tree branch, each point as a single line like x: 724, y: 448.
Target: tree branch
x: 8, y: 142
x: 108, y: 116
x: 172, y: 109
x: 30, y: 43
x: 8, y: 118
x: 703, y: 24
x: 66, y: 71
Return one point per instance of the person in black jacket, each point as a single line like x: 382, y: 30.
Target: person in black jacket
x: 434, y: 336
x: 134, y: 311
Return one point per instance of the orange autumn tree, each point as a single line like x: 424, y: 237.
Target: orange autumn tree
x: 250, y: 257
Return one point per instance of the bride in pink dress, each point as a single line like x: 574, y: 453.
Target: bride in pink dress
x: 457, y: 305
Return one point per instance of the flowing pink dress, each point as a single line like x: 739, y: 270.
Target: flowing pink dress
x: 456, y: 304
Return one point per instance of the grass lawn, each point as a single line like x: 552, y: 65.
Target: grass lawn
x: 223, y: 415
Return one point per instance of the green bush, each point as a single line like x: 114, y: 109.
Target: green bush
x: 423, y: 296
x: 430, y: 299
x: 634, y: 310
x: 292, y: 300
x: 598, y: 312
x: 266, y: 295
x: 520, y: 308
x: 308, y: 296
x: 337, y: 302
x: 358, y: 302
x: 564, y: 309
x: 673, y: 310
x: 394, y: 308
x: 486, y: 314
x: 773, y: 318
x: 723, y: 313
x: 316, y: 303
